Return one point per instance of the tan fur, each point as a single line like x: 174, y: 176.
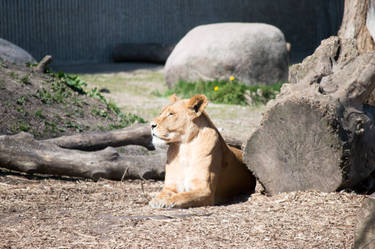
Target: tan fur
x: 201, y: 169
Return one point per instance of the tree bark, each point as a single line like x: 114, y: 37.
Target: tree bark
x: 357, y: 18
x: 365, y: 230
x: 318, y: 133
x: 23, y: 153
x: 138, y: 135
x: 42, y: 66
x: 71, y: 156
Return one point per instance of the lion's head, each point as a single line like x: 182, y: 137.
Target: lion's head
x: 177, y: 122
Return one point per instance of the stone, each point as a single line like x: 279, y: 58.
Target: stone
x: 14, y: 54
x: 254, y: 53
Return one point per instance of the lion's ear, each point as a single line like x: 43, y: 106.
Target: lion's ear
x: 197, y: 104
x: 173, y: 98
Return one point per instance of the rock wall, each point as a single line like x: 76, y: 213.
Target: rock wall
x: 81, y: 31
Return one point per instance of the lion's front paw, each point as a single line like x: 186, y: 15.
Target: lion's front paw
x: 161, y: 203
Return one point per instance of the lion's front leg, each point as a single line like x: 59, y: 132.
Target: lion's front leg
x: 195, y: 198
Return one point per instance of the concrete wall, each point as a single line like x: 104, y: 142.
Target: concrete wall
x: 82, y: 31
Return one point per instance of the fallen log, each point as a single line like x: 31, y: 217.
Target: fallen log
x: 137, y: 135
x: 23, y: 153
x: 318, y: 134
x: 74, y: 156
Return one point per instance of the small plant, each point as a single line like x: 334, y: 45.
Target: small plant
x: 39, y: 114
x: 52, y: 126
x: 72, y: 124
x: 25, y: 79
x: 29, y: 64
x: 125, y: 120
x: 100, y: 113
x: 24, y: 127
x: 73, y: 82
x: 21, y: 100
x: 44, y: 96
x: 13, y: 75
x: 20, y: 109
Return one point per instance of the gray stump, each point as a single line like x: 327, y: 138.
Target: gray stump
x: 318, y: 134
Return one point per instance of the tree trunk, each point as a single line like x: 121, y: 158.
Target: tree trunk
x: 365, y: 230
x: 357, y: 23
x: 68, y: 156
x: 23, y: 153
x: 318, y: 134
x: 138, y: 135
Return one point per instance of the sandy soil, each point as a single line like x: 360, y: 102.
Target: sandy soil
x: 38, y: 212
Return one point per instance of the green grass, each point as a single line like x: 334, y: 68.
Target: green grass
x: 226, y: 92
x: 137, y: 84
x: 80, y: 86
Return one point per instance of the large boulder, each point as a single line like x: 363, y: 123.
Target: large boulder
x: 254, y: 53
x: 14, y: 54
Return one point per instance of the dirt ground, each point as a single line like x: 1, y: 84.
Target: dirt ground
x: 64, y: 213
x: 47, y: 212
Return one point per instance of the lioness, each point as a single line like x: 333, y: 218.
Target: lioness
x: 201, y: 168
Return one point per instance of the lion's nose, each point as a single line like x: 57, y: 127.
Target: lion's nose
x: 153, y: 125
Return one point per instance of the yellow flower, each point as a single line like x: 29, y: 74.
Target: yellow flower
x: 231, y: 78
x: 216, y: 88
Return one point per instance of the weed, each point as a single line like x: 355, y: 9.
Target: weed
x: 13, y: 75
x: 52, y: 126
x: 39, y: 114
x: 101, y: 128
x: 112, y: 106
x: 25, y: 79
x: 77, y: 101
x: 73, y: 82
x: 24, y: 127
x: 125, y: 120
x: 58, y: 117
x: 21, y: 100
x: 100, y: 113
x: 29, y: 64
x: 44, y: 96
x: 72, y: 124
x: 20, y: 109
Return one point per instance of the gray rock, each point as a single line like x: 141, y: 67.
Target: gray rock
x: 254, y: 53
x: 14, y: 54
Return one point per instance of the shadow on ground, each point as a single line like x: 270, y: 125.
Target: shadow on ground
x: 106, y: 67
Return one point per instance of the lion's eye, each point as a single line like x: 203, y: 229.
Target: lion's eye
x: 170, y: 114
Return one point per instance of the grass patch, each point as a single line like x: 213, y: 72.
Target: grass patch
x: 225, y: 92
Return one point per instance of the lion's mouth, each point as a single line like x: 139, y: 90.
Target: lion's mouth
x: 158, y: 141
x: 164, y: 139
x: 154, y: 135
